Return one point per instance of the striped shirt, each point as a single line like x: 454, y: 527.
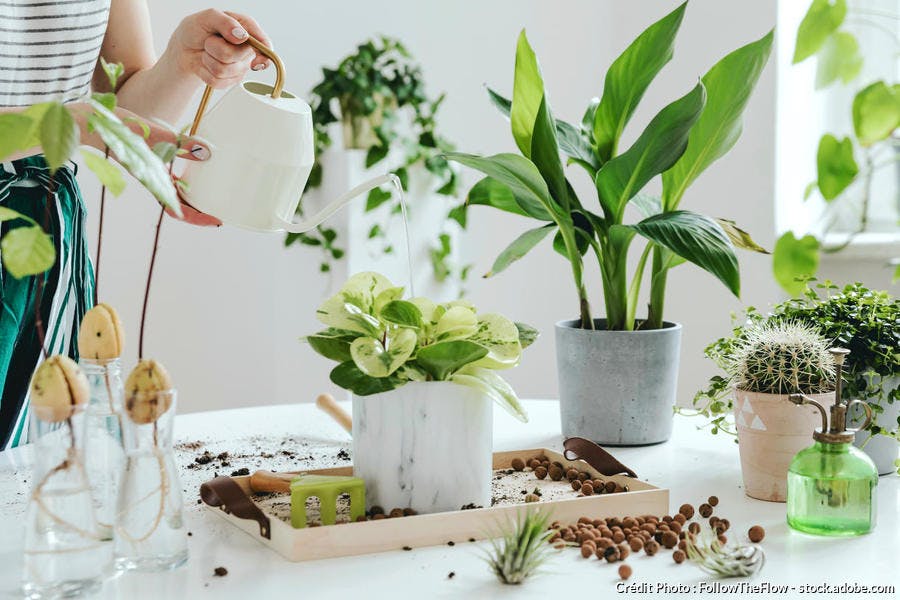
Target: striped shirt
x: 49, y: 49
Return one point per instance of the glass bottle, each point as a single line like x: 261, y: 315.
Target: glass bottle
x: 150, y: 533
x: 832, y: 484
x: 104, y: 454
x: 65, y: 554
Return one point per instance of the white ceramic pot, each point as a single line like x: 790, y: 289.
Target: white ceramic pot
x: 425, y: 446
x: 771, y: 430
x: 883, y: 450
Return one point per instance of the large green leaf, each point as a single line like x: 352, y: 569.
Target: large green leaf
x: 108, y: 174
x: 820, y: 21
x: 836, y: 168
x: 698, y: 239
x: 629, y: 77
x: 490, y: 192
x: 377, y: 359
x: 494, y: 387
x: 501, y: 338
x: 876, y: 112
x: 15, y: 133
x: 574, y: 142
x: 519, y: 248
x: 8, y: 214
x: 402, y: 313
x: 729, y: 84
x: 794, y: 261
x: 840, y: 59
x: 59, y: 136
x: 520, y: 175
x: 27, y: 251
x: 658, y: 147
x: 444, y: 358
x: 545, y: 155
x: 134, y: 154
x: 528, y: 94
x: 348, y: 376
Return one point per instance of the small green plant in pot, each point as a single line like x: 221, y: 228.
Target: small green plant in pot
x: 606, y: 394
x: 865, y: 321
x: 771, y: 361
x: 423, y: 381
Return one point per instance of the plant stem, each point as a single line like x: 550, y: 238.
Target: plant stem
x: 162, y: 213
x: 657, y: 291
x: 584, y: 307
x: 864, y: 216
x: 100, y: 235
x: 634, y: 289
x: 42, y: 277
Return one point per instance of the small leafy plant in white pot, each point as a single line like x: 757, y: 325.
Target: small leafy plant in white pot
x: 775, y: 360
x: 423, y: 381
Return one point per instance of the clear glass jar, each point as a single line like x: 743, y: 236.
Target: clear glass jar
x: 104, y: 454
x: 150, y: 534
x: 65, y: 554
x: 831, y: 490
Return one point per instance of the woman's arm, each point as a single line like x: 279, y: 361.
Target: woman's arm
x: 205, y: 48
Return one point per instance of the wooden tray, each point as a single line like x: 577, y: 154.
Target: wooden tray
x: 367, y: 537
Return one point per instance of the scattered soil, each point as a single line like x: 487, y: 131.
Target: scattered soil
x: 220, y: 572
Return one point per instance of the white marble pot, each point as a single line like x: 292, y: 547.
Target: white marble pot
x: 425, y: 446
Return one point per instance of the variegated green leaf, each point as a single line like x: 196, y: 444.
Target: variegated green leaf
x: 457, y: 323
x: 494, y: 387
x: 501, y: 337
x: 337, y: 312
x: 363, y: 288
x: 378, y: 360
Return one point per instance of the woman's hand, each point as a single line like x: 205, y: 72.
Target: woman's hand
x: 190, y: 148
x: 210, y: 45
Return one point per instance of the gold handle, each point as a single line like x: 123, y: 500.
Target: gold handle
x: 276, y: 89
x: 868, y: 411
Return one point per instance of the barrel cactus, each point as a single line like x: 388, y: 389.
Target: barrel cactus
x: 783, y: 358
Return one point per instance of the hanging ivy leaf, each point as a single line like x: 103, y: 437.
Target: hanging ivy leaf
x: 27, y: 251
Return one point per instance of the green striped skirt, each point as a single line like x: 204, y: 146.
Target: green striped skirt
x: 68, y: 286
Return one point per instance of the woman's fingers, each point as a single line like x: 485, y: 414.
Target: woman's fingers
x: 250, y: 25
x: 216, y: 21
x: 220, y: 74
x: 226, y: 52
x: 191, y: 215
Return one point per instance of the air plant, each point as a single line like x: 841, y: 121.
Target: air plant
x: 724, y: 560
x: 521, y: 548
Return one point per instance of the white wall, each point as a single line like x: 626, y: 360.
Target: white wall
x: 228, y: 305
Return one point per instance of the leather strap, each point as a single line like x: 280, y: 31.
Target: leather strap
x: 579, y: 448
x: 224, y: 493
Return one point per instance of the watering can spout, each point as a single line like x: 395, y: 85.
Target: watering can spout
x: 311, y: 222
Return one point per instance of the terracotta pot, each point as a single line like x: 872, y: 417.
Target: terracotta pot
x: 771, y: 430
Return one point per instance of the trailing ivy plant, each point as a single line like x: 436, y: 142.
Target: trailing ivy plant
x: 382, y: 341
x: 378, y: 95
x: 28, y: 249
x: 679, y: 143
x: 875, y: 114
x: 865, y: 321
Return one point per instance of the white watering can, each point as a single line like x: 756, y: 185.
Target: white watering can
x: 262, y: 152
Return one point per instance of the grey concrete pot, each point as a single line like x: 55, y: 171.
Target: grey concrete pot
x: 617, y: 387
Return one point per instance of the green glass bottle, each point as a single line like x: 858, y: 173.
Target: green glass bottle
x: 831, y: 484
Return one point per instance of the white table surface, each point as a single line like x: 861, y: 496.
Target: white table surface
x: 693, y: 465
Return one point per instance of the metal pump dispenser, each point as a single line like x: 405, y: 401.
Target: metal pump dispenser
x: 837, y: 432
x: 831, y: 484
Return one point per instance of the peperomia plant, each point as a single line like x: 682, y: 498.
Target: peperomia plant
x: 382, y: 341
x: 28, y: 250
x: 679, y: 143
